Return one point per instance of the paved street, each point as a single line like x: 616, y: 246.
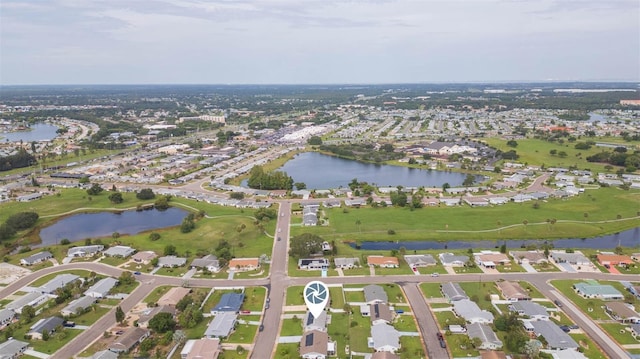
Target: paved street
x: 426, y: 321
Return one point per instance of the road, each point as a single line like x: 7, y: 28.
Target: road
x: 426, y: 321
x: 278, y: 281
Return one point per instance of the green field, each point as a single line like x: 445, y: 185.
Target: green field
x: 491, y: 223
x: 536, y: 152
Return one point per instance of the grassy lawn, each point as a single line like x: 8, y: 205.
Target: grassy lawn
x: 291, y: 327
x: 294, y: 295
x: 244, y: 333
x: 156, y: 294
x: 474, y: 269
x: 431, y: 290
x: 440, y: 305
x: 618, y: 332
x: 263, y: 272
x: 601, y: 204
x: 336, y: 297
x: 122, y: 288
x: 91, y: 317
x: 352, y: 296
x: 512, y: 268
x: 403, y: 269
x: 254, y: 298
x: 533, y: 292
x: 359, y: 331
x: 590, y: 349
x: 596, y: 312
x: 454, y: 342
x: 287, y: 351
x: 339, y: 331
x: 444, y: 318
x: 198, y: 331
x: 56, y: 342
x: 394, y: 293
x: 114, y: 261
x: 405, y: 323
x: 411, y: 348
x: 480, y: 292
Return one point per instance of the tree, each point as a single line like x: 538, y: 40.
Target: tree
x: 358, y: 223
x: 145, y: 194
x: 445, y: 186
x: 300, y: 185
x: 398, y: 198
x: 154, y: 236
x: 170, y: 250
x: 84, y: 180
x: 469, y: 180
x: 116, y: 198
x: 512, y: 143
x: 187, y: 225
x: 315, y: 141
x: 190, y: 316
x: 585, y: 215
x: 237, y: 195
x: 126, y: 278
x: 28, y: 313
x: 304, y: 245
x: 416, y: 200
x: 162, y: 322
x: 94, y: 190
x: 162, y: 203
x: 119, y: 315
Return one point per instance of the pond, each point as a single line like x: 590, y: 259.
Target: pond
x: 38, y: 132
x: 629, y: 238
x: 103, y: 224
x: 319, y: 171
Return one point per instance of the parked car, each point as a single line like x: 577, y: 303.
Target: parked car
x: 435, y: 274
x: 261, y: 328
x: 68, y: 324
x: 558, y: 303
x: 137, y: 273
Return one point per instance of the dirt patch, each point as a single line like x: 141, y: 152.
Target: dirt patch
x: 9, y: 273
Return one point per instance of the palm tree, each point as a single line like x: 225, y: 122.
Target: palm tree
x: 586, y: 215
x: 358, y: 223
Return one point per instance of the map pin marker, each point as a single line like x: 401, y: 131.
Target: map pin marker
x: 316, y: 296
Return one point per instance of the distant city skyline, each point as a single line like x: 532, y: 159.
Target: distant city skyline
x: 317, y: 41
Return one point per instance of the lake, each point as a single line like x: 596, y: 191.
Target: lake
x: 629, y: 238
x: 78, y: 227
x: 319, y: 171
x: 38, y: 132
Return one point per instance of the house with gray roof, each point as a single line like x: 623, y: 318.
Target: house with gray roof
x: 36, y: 258
x: 374, y: 293
x: 210, y: 262
x: 532, y: 310
x: 85, y: 251
x: 12, y: 349
x: 488, y: 338
x: 119, y: 251
x: 312, y: 323
x: 6, y: 317
x: 453, y: 291
x: 47, y: 325
x: 58, y: 282
x: 77, y: 305
x: 471, y: 313
x: 171, y: 261
x: 33, y: 299
x: 102, y: 288
x: 452, y: 260
x: 384, y: 338
x: 622, y: 312
x: 222, y: 325
x: 346, y: 263
x: 229, y: 302
x: 555, y: 337
x: 127, y: 341
x: 572, y: 258
x: 420, y: 260
x: 593, y: 289
x: 531, y: 257
x: 380, y: 313
x: 310, y: 215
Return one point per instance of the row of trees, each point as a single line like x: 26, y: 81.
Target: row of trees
x: 260, y: 179
x: 18, y: 160
x: 17, y: 222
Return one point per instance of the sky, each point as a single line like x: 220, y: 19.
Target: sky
x: 317, y: 41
